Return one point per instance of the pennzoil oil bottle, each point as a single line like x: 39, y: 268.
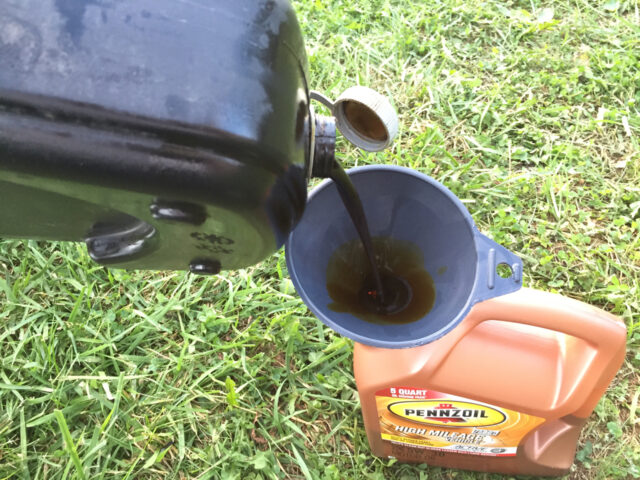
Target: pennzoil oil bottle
x: 506, y: 391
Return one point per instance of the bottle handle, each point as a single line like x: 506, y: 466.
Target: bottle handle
x: 604, y: 332
x: 552, y: 312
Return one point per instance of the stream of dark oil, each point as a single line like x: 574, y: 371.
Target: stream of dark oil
x: 352, y: 203
x: 380, y: 280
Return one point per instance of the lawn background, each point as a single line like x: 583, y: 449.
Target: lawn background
x: 528, y: 111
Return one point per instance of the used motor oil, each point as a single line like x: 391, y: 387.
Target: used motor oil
x: 375, y: 280
x: 507, y: 391
x: 409, y: 291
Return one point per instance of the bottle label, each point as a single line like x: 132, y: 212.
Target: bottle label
x: 438, y: 421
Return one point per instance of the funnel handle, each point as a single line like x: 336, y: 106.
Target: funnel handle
x: 489, y: 283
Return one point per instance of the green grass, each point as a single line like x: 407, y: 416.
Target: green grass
x: 528, y: 111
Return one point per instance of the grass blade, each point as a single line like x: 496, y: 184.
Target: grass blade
x: 301, y: 463
x: 23, y: 446
x: 71, y: 448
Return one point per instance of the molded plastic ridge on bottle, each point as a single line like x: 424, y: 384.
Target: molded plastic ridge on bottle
x: 507, y: 391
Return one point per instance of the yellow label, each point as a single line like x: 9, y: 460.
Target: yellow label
x: 428, y: 419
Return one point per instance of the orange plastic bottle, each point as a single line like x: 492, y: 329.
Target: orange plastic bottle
x: 507, y: 391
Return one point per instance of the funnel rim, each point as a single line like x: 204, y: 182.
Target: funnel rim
x: 354, y: 171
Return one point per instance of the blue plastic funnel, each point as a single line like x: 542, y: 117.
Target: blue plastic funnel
x: 403, y: 204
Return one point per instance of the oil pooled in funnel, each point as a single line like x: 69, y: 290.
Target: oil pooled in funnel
x: 409, y: 291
